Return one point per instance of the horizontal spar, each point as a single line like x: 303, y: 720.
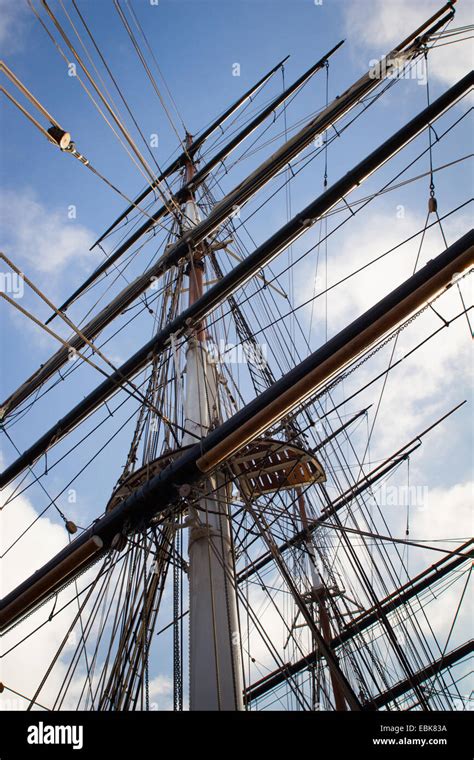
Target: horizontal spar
x: 300, y: 383
x: 392, y: 602
x: 347, y: 496
x: 265, y: 171
x: 447, y: 660
x: 183, y: 193
x: 240, y: 274
x: 338, y: 108
x: 268, y: 408
x: 194, y: 146
x: 198, y: 141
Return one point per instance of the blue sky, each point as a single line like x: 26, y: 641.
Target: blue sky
x: 196, y: 58
x: 196, y: 43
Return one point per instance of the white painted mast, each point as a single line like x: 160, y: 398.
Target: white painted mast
x: 215, y: 668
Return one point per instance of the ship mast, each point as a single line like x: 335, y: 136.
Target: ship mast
x: 192, y: 473
x: 214, y: 670
x: 407, y: 50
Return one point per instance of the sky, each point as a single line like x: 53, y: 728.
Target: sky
x: 53, y: 209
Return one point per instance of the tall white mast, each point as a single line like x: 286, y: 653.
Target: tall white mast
x: 214, y: 652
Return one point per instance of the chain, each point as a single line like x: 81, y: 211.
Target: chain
x: 177, y: 665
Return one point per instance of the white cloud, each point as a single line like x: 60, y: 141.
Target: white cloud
x: 448, y: 514
x: 422, y: 385
x: 13, y: 15
x: 36, y: 547
x: 24, y: 667
x: 161, y: 693
x: 377, y: 25
x: 41, y: 238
